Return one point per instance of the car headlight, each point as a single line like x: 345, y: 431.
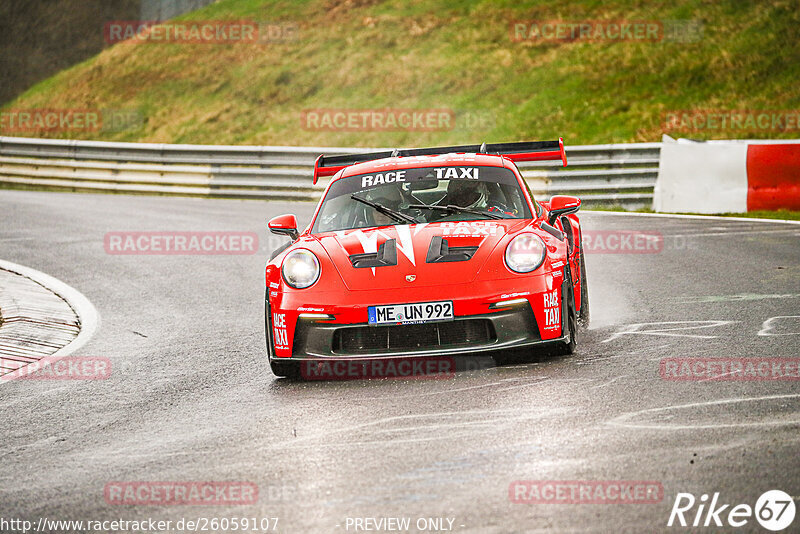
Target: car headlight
x: 525, y: 253
x: 300, y: 268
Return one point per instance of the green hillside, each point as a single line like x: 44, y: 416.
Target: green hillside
x: 455, y: 55
x: 38, y: 39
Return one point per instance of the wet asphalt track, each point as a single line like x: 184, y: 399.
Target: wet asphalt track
x: 191, y: 397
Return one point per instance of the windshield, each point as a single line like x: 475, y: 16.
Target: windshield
x: 421, y: 195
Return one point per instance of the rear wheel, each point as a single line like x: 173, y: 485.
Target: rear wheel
x: 583, y: 316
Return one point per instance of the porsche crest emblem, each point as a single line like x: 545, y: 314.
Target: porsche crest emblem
x: 411, y: 277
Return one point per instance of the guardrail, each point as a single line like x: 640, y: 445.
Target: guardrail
x: 616, y: 174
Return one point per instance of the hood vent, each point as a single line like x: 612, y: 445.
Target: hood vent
x: 385, y: 257
x: 440, y: 252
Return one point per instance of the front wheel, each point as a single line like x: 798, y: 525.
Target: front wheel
x: 583, y: 316
x: 281, y: 369
x: 570, y: 319
x: 568, y: 347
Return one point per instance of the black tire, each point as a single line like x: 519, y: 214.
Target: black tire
x: 570, y: 318
x: 568, y: 348
x: 583, y: 315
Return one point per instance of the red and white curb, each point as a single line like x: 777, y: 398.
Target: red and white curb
x: 41, y: 317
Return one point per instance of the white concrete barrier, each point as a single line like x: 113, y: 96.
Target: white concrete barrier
x: 727, y: 176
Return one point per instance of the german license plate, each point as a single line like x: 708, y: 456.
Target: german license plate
x: 420, y: 312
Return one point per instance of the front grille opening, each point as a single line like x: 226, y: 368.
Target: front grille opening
x: 413, y: 337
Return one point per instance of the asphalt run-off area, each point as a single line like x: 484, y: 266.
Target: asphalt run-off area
x: 190, y: 396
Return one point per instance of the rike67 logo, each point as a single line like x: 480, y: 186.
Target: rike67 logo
x: 774, y: 510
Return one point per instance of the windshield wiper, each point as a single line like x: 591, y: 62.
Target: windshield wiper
x: 396, y: 215
x: 453, y: 208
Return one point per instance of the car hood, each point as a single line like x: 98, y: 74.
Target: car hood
x: 412, y: 243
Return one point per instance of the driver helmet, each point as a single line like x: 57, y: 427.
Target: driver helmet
x: 388, y: 195
x: 467, y: 194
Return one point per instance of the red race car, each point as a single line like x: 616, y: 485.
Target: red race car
x: 427, y: 252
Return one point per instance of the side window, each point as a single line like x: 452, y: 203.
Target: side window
x: 566, y: 227
x: 336, y: 213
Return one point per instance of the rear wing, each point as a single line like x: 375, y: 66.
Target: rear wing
x: 526, y: 151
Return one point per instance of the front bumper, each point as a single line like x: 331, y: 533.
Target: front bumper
x: 504, y: 330
x: 513, y: 328
x: 477, y: 327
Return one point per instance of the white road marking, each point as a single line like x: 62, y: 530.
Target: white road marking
x: 635, y: 329
x: 537, y: 382
x: 733, y: 298
x: 734, y: 232
x: 443, y: 392
x: 454, y: 390
x: 595, y: 359
x: 491, y: 417
x: 694, y: 217
x: 609, y: 382
x: 622, y: 420
x: 767, y: 326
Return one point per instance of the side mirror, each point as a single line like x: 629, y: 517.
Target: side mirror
x: 284, y: 225
x: 562, y: 205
